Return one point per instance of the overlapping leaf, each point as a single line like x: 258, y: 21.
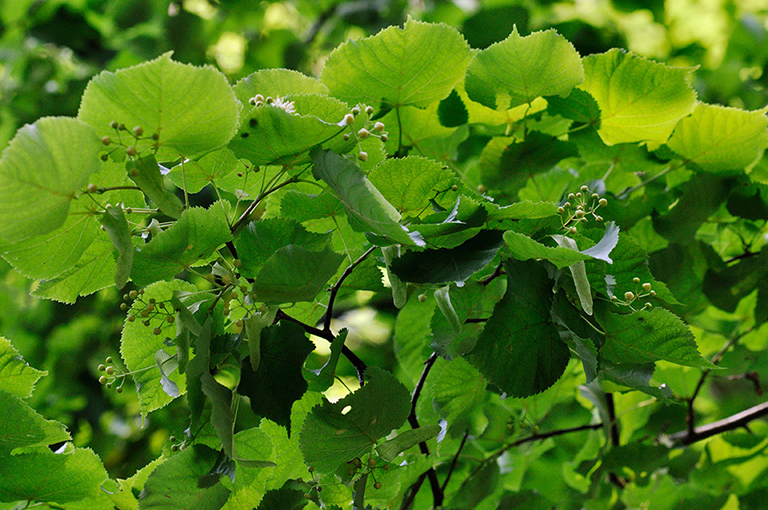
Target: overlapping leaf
x: 16, y: 376
x: 639, y: 100
x: 414, y: 65
x: 22, y: 426
x: 520, y: 350
x: 192, y: 109
x: 519, y: 69
x: 408, y: 183
x: 718, y: 139
x: 45, y: 164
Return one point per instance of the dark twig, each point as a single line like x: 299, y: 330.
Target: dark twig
x: 252, y: 207
x: 733, y: 422
x: 614, y: 425
x: 454, y: 461
x: 437, y: 491
x: 337, y: 286
x: 496, y: 273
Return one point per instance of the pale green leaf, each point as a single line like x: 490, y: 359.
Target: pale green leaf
x: 408, y: 183
x: 645, y: 336
x: 45, y: 164
x: 16, y: 376
x: 192, y: 109
x: 579, y: 274
x: 389, y: 450
x: 254, y: 453
x: 523, y: 247
x: 49, y: 477
x: 114, y: 222
x: 145, y: 172
x: 443, y: 300
x: 519, y: 69
x: 139, y: 344
x: 334, y: 434
x: 322, y: 378
x: 521, y: 210
x: 719, y: 139
x: 414, y: 65
x: 217, y: 167
x: 362, y: 201
x: 520, y: 350
x: 283, y: 83
x: 639, y: 100
x: 23, y: 427
x: 195, y: 236
x: 185, y: 481
x: 94, y: 271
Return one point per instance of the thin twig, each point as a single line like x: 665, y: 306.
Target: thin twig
x: 454, y: 461
x: 733, y: 422
x: 337, y: 286
x: 252, y: 207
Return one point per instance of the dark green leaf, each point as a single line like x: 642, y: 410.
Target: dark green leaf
x: 23, y: 427
x: 520, y: 350
x: 322, y: 378
x: 389, y: 450
x: 278, y: 382
x: 579, y: 106
x: 451, y: 111
x: 449, y: 264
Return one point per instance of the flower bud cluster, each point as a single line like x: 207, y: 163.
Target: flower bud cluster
x: 376, y: 129
x: 277, y: 102
x: 641, y: 291
x: 130, y: 146
x: 580, y: 207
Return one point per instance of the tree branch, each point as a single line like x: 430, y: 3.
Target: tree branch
x: 337, y: 285
x: 733, y: 422
x: 454, y: 461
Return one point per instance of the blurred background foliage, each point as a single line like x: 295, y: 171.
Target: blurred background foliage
x: 49, y: 49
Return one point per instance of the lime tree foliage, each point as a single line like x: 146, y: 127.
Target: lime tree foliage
x: 563, y: 236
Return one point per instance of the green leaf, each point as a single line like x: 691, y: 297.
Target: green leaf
x: 270, y: 135
x: 443, y: 300
x: 195, y: 236
x: 645, y: 336
x: 523, y: 247
x: 49, y: 477
x: 521, y: 210
x: 283, y: 83
x: 192, y: 109
x: 389, y: 450
x: 362, y: 201
x: 94, y: 271
x: 334, y: 434
x: 451, y: 111
x: 259, y: 240
x: 449, y: 264
x: 278, y: 382
x: 222, y: 418
x: 640, y: 101
x: 119, y: 233
x: 304, y: 207
x: 139, y: 344
x: 23, y: 427
x: 185, y: 481
x: 457, y: 390
x: 284, y: 498
x: 294, y: 274
x: 217, y: 167
x: 508, y: 163
x: 719, y: 139
x: 254, y: 453
x: 416, y: 65
x: 50, y: 255
x: 145, y: 172
x: 322, y: 378
x: 46, y: 164
x: 520, y: 350
x: 579, y: 106
x: 637, y: 377
x: 16, y: 376
x: 408, y: 183
x: 579, y: 274
x: 519, y: 69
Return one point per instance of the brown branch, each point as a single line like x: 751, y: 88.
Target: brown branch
x: 733, y: 422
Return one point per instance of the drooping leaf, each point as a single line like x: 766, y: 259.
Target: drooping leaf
x: 408, y: 183
x: 637, y: 377
x: 94, y: 271
x: 181, y: 482
x: 429, y: 60
x: 443, y: 300
x: 192, y: 109
x: 579, y: 274
x: 22, y: 426
x: 145, y: 172
x: 139, y: 343
x: 449, y: 264
x: 259, y: 240
x: 523, y: 247
x: 521, y: 210
x: 197, y: 233
x: 645, y: 336
x: 278, y: 382
x: 119, y: 233
x: 602, y: 250
x: 16, y: 376
x: 334, y: 434
x: 389, y: 450
x: 639, y: 100
x: 47, y: 477
x: 303, y: 207
x: 255, y: 454
x: 363, y: 202
x: 294, y: 274
x: 519, y: 69
x: 222, y: 418
x: 45, y: 164
x: 719, y: 139
x: 520, y: 350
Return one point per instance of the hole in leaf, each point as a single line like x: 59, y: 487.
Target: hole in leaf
x: 346, y: 410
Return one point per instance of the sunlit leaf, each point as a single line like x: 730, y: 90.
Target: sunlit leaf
x: 22, y: 426
x: 16, y: 376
